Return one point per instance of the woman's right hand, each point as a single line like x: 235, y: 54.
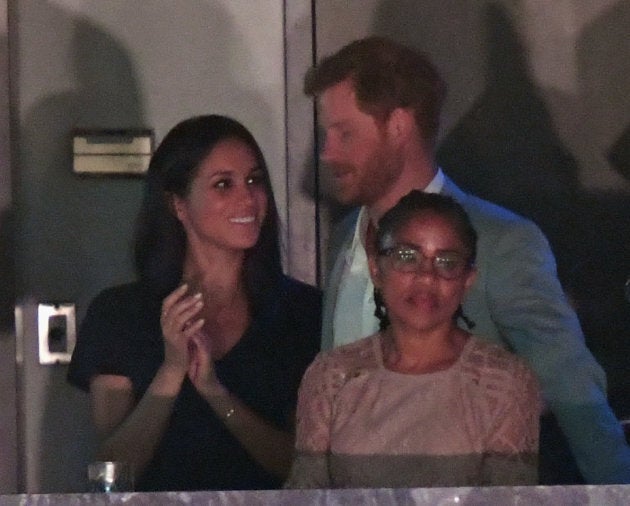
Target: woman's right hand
x: 179, y: 323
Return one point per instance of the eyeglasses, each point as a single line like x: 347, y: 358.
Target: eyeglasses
x: 409, y: 259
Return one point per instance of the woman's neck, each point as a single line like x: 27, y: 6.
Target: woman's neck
x: 226, y: 309
x: 414, y: 353
x: 217, y: 273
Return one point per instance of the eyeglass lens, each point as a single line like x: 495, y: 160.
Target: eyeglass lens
x: 447, y: 265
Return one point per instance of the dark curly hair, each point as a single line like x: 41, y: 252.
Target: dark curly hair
x: 410, y: 206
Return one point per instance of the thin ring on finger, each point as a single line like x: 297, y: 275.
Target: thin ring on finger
x: 163, y: 315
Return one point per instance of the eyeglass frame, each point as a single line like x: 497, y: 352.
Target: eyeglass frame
x: 466, y: 263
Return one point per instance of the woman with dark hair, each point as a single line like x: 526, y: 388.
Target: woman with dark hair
x: 422, y: 402
x: 193, y: 370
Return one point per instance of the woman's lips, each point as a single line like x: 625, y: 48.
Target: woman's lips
x: 422, y: 301
x: 243, y: 220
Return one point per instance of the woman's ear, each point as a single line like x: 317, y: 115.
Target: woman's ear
x: 471, y: 276
x: 177, y: 206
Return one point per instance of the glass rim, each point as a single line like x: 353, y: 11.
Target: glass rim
x: 465, y: 265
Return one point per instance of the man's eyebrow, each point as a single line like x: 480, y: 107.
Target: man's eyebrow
x: 339, y: 123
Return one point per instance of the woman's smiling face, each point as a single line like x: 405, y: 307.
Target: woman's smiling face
x: 226, y: 204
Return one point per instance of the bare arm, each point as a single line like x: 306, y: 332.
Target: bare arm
x: 130, y: 431
x: 270, y: 447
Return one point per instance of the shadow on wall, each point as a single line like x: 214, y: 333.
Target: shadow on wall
x: 604, y: 67
x: 505, y: 148
x: 619, y: 154
x: 7, y: 271
x: 72, y: 235
x: 7, y: 225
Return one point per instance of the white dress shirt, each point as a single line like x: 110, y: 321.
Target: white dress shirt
x: 356, y: 285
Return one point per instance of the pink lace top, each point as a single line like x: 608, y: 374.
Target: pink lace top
x: 362, y: 425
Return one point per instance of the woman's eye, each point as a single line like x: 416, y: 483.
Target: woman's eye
x: 447, y: 262
x: 223, y: 184
x: 406, y: 256
x: 255, y: 179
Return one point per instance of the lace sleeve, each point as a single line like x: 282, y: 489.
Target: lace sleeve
x: 511, y: 455
x: 314, y: 413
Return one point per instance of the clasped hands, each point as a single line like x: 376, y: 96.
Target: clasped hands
x: 185, y: 347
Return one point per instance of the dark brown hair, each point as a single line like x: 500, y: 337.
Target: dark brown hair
x: 417, y: 202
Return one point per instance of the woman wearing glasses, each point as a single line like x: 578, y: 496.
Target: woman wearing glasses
x: 422, y: 402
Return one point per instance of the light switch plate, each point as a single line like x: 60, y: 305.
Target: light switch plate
x: 57, y: 332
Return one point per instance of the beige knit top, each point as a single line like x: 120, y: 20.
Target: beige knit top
x: 360, y: 424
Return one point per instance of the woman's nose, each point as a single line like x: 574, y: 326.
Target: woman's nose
x: 247, y: 192
x: 424, y: 267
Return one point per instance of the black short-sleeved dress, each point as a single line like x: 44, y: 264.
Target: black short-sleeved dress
x: 121, y: 335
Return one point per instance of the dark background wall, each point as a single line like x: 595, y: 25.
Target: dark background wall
x: 508, y: 148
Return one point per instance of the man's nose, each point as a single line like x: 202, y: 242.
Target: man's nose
x: 326, y: 153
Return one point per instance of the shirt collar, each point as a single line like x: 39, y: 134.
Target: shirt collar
x: 437, y: 183
x: 434, y: 186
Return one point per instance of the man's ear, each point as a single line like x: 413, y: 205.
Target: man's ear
x: 400, y: 124
x: 375, y: 272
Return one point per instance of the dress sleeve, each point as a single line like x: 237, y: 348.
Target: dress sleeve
x: 300, y: 329
x: 314, y: 417
x: 103, y: 340
x: 511, y: 449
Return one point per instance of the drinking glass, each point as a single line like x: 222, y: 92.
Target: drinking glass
x: 110, y: 477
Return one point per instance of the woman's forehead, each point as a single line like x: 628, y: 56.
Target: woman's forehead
x: 426, y: 219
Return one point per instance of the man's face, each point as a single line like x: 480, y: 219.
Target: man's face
x: 356, y: 150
